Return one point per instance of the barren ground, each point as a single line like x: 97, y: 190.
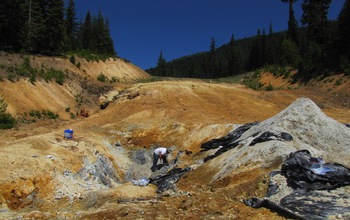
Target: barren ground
x: 180, y: 113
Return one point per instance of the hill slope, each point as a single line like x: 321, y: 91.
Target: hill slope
x: 80, y: 89
x: 89, y: 176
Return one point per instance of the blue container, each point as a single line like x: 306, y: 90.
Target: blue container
x: 68, y: 133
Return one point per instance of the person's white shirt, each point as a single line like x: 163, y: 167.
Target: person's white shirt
x: 160, y: 150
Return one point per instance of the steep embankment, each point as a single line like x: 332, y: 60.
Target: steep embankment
x: 80, y: 89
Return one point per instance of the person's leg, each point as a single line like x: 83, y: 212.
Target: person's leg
x: 155, y: 160
x: 165, y: 160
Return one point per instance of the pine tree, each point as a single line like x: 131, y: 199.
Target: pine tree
x: 270, y: 29
x: 315, y: 17
x: 35, y: 26
x: 289, y: 53
x: 71, y: 26
x: 212, y: 62
x: 161, y: 65
x: 292, y: 22
x: 255, y: 56
x: 55, y: 26
x: 11, y: 25
x: 86, y: 31
x: 318, y: 32
x: 232, y: 59
x: 343, y: 32
x: 107, y: 41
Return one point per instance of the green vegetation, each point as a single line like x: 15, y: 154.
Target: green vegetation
x: 35, y: 115
x: 6, y: 120
x: 339, y: 82
x: 252, y: 81
x: 43, y: 114
x: 51, y: 29
x: 72, y: 60
x: 318, y: 46
x: 79, y: 99
x: 102, y: 78
x: 26, y: 70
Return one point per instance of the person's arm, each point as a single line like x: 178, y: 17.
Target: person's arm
x: 160, y: 156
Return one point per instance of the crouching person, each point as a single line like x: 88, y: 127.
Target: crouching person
x: 160, y: 153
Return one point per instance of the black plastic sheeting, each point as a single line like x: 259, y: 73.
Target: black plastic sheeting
x: 316, y: 189
x: 269, y: 136
x: 230, y: 141
x: 304, y: 171
x: 226, y: 143
x: 167, y: 181
x: 259, y: 203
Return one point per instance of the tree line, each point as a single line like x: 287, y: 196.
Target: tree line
x: 317, y: 45
x: 47, y: 27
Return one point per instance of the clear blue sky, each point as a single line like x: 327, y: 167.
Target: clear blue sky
x: 142, y: 28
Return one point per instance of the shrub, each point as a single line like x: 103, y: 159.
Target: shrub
x: 339, y: 82
x: 78, y: 65
x: 43, y: 114
x: 114, y: 80
x: 72, y: 59
x: 269, y: 87
x: 58, y: 75
x: 27, y: 71
x: 3, y: 105
x: 72, y: 115
x: 7, y: 121
x: 102, y: 78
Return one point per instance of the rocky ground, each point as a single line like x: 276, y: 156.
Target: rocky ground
x: 45, y: 176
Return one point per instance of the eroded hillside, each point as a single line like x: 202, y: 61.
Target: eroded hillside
x: 45, y: 176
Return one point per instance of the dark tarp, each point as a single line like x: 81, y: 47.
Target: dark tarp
x: 316, y: 189
x: 230, y: 141
x: 269, y: 136
x: 305, y: 171
x: 167, y: 181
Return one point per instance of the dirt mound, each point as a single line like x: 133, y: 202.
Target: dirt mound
x: 300, y: 126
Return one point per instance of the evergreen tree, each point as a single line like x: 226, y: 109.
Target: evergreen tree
x: 80, y: 34
x: 255, y: 56
x: 312, y: 60
x: 11, y: 25
x: 71, y: 26
x: 86, y: 31
x: 318, y: 32
x: 212, y: 62
x: 315, y: 17
x: 289, y: 53
x: 96, y: 29
x: 161, y: 65
x: 108, y: 44
x: 292, y: 22
x: 343, y: 34
x: 263, y: 55
x: 55, y: 26
x: 35, y: 36
x: 270, y: 29
x: 233, y: 63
